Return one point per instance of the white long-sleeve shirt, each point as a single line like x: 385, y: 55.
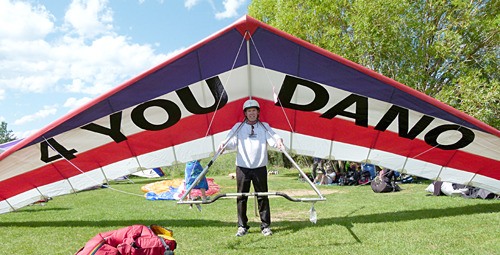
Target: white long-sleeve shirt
x: 251, y: 149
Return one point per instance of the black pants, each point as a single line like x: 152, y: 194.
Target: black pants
x: 257, y: 176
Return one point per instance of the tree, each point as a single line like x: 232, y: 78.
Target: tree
x: 5, y: 134
x: 444, y: 48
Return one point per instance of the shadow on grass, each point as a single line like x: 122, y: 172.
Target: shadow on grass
x: 349, y: 221
x: 171, y: 223
x: 346, y: 221
x: 36, y: 208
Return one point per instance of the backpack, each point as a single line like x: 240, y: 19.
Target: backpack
x: 132, y: 240
x: 382, y: 185
x: 479, y: 193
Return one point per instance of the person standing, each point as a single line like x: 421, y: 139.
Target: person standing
x: 191, y: 172
x: 250, y: 139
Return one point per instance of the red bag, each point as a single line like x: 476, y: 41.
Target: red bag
x: 133, y: 240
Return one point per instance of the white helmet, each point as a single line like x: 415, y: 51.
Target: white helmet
x: 250, y: 103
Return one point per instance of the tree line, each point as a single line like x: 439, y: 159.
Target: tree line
x: 446, y: 49
x: 6, y: 135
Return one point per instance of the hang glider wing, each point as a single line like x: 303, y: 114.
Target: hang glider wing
x: 182, y: 109
x: 7, y: 145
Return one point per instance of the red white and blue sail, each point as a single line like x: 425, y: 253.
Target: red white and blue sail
x: 181, y: 110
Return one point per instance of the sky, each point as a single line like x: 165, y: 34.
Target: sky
x: 56, y: 55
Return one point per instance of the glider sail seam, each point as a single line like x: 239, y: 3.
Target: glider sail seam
x: 90, y: 178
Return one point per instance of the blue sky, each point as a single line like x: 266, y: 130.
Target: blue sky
x: 58, y: 55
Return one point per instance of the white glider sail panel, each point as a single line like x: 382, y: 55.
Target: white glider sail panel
x: 182, y: 109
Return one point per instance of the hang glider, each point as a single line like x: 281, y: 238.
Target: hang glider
x: 326, y: 107
x: 7, y: 145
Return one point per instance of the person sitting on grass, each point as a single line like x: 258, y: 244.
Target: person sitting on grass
x: 326, y: 177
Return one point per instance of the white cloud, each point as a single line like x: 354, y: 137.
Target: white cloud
x: 43, y: 113
x: 27, y: 65
x: 230, y: 9
x: 23, y: 21
x: 107, y: 61
x: 74, y: 103
x: 75, y: 63
x: 190, y: 3
x: 24, y: 134
x: 174, y: 53
x: 159, y: 1
x: 84, y: 55
x: 89, y: 18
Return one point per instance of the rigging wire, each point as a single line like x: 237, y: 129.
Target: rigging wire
x: 276, y: 98
x: 226, y: 82
x: 444, y: 165
x: 206, y: 134
x: 86, y: 175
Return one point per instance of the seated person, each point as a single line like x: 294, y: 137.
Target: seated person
x: 317, y: 166
x: 370, y: 168
x: 328, y: 176
x: 353, y: 174
x: 319, y: 176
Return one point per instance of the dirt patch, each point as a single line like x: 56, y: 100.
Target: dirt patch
x: 298, y: 213
x: 302, y: 215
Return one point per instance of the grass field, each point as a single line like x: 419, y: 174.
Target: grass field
x: 353, y: 220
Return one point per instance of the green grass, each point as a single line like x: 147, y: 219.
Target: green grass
x: 353, y: 220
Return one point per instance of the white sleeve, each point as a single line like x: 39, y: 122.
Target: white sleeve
x: 271, y: 136
x: 232, y: 140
